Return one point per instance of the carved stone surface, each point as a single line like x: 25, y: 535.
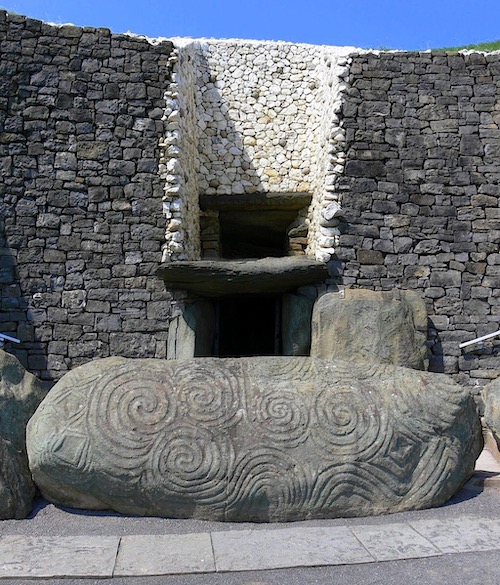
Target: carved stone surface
x: 260, y: 439
x: 20, y: 395
x: 388, y: 327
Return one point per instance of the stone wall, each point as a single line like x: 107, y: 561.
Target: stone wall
x: 253, y: 117
x: 81, y: 117
x: 421, y: 194
x: 108, y: 142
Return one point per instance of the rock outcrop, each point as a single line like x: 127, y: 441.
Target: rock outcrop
x: 252, y: 439
x: 20, y: 395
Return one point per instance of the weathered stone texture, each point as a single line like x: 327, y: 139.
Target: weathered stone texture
x: 263, y: 276
x: 20, y: 395
x: 420, y: 193
x: 381, y: 327
x: 491, y: 397
x: 260, y: 439
x: 81, y: 224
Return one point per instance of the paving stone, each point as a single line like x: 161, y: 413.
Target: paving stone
x: 394, y: 541
x: 164, y: 555
x: 251, y: 550
x: 70, y: 556
x: 466, y: 534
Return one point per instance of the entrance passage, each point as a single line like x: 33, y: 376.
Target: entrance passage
x: 255, y: 234
x: 248, y: 326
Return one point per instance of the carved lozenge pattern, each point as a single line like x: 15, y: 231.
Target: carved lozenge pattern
x: 265, y: 439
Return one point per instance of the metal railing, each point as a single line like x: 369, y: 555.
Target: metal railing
x: 4, y: 338
x: 479, y: 339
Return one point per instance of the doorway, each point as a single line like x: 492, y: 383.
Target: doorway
x: 247, y: 326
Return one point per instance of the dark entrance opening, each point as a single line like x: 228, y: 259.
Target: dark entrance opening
x: 248, y: 326
x: 255, y: 234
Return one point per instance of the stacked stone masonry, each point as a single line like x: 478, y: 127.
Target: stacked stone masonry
x: 80, y: 196
x: 108, y: 141
x: 421, y: 191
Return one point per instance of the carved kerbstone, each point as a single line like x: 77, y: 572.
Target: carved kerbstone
x: 260, y: 439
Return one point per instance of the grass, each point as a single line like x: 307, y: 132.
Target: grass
x: 489, y: 46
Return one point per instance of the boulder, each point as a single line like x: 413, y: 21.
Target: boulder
x: 20, y: 395
x: 388, y: 327
x: 491, y: 399
x: 252, y: 439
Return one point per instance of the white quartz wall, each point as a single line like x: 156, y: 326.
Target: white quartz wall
x: 179, y: 161
x: 253, y: 117
x: 329, y: 155
x: 258, y: 116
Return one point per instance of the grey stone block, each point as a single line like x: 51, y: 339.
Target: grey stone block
x: 252, y: 550
x: 467, y: 534
x: 142, y: 555
x: 394, y: 542
x: 20, y: 395
x: 52, y: 556
x: 368, y: 326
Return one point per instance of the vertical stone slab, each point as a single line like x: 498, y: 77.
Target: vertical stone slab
x: 296, y: 324
x: 371, y: 326
x: 191, y: 334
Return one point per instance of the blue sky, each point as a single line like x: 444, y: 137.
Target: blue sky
x: 395, y: 24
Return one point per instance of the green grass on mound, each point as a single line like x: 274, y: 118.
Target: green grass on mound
x: 489, y: 46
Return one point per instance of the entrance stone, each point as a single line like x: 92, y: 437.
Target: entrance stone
x: 252, y: 439
x: 20, y: 395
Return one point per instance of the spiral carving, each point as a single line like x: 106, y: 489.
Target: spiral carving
x: 350, y: 489
x: 127, y: 412
x: 264, y: 481
x: 283, y: 417
x: 260, y: 439
x: 290, y: 368
x: 209, y: 396
x: 348, y: 422
x: 415, y: 414
x: 190, y: 462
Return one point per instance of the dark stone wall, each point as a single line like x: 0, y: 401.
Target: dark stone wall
x: 421, y: 194
x: 80, y: 198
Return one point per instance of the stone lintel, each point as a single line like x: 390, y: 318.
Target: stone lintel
x: 254, y: 201
x: 219, y: 278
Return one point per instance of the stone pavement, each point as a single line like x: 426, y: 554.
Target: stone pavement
x: 233, y: 549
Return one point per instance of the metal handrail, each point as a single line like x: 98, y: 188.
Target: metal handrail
x: 479, y: 339
x: 4, y: 338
